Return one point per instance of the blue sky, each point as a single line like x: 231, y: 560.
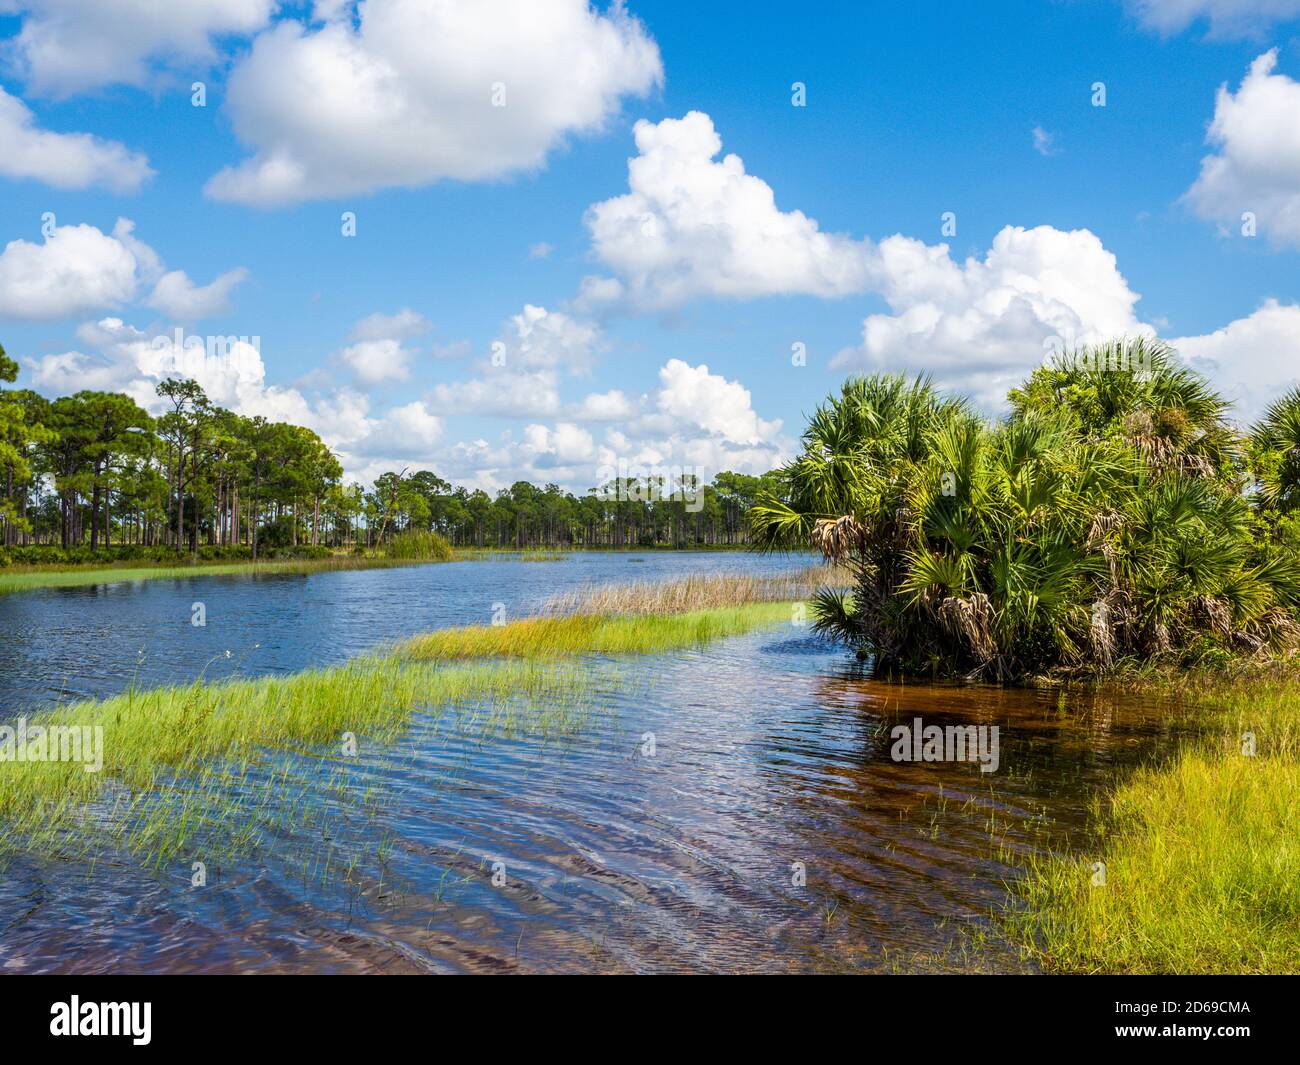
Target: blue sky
x: 479, y: 224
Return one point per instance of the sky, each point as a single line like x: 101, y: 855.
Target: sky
x: 551, y: 240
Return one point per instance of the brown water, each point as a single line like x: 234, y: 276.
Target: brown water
x: 769, y: 750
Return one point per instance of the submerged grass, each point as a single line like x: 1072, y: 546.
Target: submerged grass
x: 171, y: 754
x: 153, y: 738
x: 1201, y: 856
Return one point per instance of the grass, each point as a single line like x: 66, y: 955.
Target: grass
x: 170, y: 753
x: 416, y: 545
x: 554, y: 637
x: 30, y: 578
x: 1202, y: 855
x: 697, y: 592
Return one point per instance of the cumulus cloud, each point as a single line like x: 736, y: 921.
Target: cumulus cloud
x: 984, y: 323
x: 1226, y: 18
x: 520, y: 378
x: 500, y: 392
x: 403, y: 325
x: 708, y: 401
x: 176, y: 296
x: 70, y: 46
x: 415, y: 92
x: 1253, y: 359
x: 692, y: 225
x: 375, y: 361
x: 79, y: 269
x: 64, y: 160
x: 1256, y: 166
x: 540, y: 339
x: 573, y: 456
x: 611, y: 406
x: 76, y: 269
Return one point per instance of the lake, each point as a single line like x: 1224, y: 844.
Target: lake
x: 730, y: 808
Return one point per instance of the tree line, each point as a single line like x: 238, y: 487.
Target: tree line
x: 95, y: 472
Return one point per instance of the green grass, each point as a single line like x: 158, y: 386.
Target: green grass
x: 1202, y: 855
x: 30, y: 578
x: 539, y: 638
x: 170, y: 752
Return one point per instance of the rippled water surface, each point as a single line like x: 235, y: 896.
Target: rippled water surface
x: 664, y: 830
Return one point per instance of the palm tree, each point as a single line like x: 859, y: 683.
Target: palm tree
x: 1062, y: 537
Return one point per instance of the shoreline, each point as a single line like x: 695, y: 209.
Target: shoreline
x: 22, y: 578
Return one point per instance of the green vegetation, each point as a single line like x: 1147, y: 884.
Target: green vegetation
x: 1114, y: 516
x: 417, y: 545
x: 94, y: 472
x: 1202, y: 857
x: 25, y: 578
x: 540, y: 638
x: 169, y: 753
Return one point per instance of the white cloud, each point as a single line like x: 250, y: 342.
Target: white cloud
x: 1253, y: 359
x: 76, y: 269
x: 542, y: 339
x: 183, y: 301
x: 64, y: 160
x: 374, y: 361
x: 611, y: 406
x: 378, y: 354
x: 983, y: 324
x: 1257, y: 164
x: 521, y: 376
x: 1043, y: 142
x: 1227, y: 18
x: 693, y: 226
x: 501, y: 392
x: 403, y: 325
x: 69, y: 46
x: 80, y: 269
x: 708, y: 401
x: 540, y: 250
x: 406, y: 97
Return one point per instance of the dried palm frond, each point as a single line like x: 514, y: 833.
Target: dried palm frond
x: 838, y: 538
x: 971, y: 620
x: 1212, y: 613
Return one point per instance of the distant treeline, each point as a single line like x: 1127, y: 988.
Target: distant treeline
x: 94, y: 472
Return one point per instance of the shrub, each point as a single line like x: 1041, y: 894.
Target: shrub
x: 1103, y: 520
x: 415, y: 545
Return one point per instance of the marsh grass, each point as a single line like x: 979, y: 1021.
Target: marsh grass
x: 173, y: 749
x: 188, y: 762
x: 696, y: 592
x: 1202, y: 855
x: 578, y: 634
x: 30, y: 578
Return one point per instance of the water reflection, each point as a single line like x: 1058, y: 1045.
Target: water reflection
x: 69, y: 643
x: 770, y: 755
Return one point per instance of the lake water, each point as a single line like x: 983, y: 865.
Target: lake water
x: 731, y: 808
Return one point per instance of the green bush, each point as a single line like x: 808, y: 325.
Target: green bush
x: 81, y: 555
x: 415, y: 545
x: 1103, y: 521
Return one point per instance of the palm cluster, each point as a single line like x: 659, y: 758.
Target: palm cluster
x: 1115, y: 513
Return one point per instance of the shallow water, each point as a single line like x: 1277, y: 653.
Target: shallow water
x: 61, y: 644
x: 768, y: 750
